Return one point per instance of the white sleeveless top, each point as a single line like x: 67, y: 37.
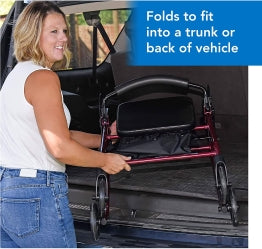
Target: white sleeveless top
x: 21, y: 145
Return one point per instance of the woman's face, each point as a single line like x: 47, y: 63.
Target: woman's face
x: 53, y: 38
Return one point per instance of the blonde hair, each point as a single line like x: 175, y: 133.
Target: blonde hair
x: 27, y: 33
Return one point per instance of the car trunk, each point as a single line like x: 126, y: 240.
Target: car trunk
x: 177, y: 197
x: 180, y: 196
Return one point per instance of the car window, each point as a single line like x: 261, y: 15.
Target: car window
x: 82, y: 36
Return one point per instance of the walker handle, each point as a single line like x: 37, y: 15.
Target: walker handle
x: 154, y: 83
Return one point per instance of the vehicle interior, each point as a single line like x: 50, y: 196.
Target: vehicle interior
x: 170, y: 197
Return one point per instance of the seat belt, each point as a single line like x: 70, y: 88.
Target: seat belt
x: 93, y: 19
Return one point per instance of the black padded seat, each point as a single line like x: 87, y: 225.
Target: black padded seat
x: 155, y: 115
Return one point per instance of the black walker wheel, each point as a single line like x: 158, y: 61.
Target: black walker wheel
x: 102, y: 197
x: 222, y: 184
x: 233, y: 207
x: 94, y: 221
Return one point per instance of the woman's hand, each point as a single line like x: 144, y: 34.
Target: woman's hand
x: 114, y: 163
x: 113, y: 128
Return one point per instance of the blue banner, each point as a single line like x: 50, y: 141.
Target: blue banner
x: 192, y: 33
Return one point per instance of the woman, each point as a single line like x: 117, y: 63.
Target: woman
x: 34, y: 137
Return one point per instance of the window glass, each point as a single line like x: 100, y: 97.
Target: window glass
x: 82, y: 36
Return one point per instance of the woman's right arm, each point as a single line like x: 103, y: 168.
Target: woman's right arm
x: 43, y: 92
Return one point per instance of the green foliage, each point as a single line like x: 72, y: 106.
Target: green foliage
x: 106, y: 17
x: 80, y: 19
x: 5, y: 6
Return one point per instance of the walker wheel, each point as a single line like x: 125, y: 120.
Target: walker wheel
x: 233, y: 207
x: 102, y: 197
x: 222, y: 184
x: 94, y: 221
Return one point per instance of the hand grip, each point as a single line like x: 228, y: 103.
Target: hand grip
x: 160, y: 82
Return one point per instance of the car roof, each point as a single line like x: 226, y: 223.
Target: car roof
x: 71, y: 7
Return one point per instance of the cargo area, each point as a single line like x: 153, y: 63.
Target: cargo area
x: 171, y: 197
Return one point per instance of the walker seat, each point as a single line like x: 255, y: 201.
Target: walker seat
x: 155, y: 127
x: 173, y: 114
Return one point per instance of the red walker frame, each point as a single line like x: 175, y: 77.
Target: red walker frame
x: 99, y: 211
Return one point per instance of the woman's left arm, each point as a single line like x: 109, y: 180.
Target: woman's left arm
x: 88, y: 140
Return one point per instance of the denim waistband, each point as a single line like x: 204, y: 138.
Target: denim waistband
x: 48, y: 175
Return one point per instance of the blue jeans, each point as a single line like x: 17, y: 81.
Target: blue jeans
x: 34, y: 210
